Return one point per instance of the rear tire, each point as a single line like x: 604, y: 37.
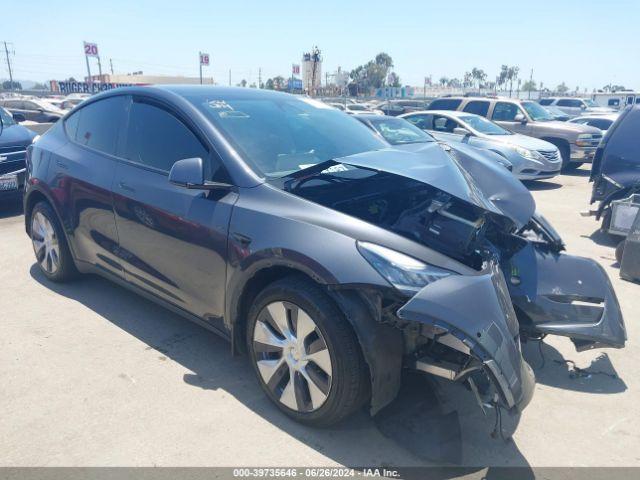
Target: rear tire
x: 316, y: 394
x: 565, y: 153
x: 50, y: 245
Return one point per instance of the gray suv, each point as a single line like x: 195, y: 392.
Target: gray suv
x: 577, y: 143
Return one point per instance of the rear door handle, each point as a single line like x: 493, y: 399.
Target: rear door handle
x: 126, y: 187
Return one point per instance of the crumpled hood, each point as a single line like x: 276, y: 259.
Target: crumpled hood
x: 472, y: 179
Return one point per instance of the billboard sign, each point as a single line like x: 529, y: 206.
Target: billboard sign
x: 204, y: 59
x: 65, y: 88
x: 295, y: 69
x: 294, y: 84
x: 90, y: 49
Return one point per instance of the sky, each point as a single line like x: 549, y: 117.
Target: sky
x: 583, y: 43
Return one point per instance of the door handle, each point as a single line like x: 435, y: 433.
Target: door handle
x: 126, y: 187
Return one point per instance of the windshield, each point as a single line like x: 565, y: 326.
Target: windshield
x: 398, y: 131
x: 537, y: 112
x: 278, y: 135
x: 482, y: 125
x: 6, y: 117
x: 358, y: 107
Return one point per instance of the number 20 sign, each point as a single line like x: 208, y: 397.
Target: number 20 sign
x: 91, y: 49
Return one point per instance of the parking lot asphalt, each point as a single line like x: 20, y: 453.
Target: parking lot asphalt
x: 93, y: 375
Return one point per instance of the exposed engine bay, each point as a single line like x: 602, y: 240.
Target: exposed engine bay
x: 524, y: 287
x: 414, y: 210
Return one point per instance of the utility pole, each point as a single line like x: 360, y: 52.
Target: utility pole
x: 200, y: 62
x: 6, y: 52
x: 86, y: 57
x: 259, y: 77
x: 530, y: 83
x: 229, y: 77
x: 99, y: 68
x: 424, y: 92
x: 111, y: 64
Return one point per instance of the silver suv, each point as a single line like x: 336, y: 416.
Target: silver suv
x: 575, y: 106
x: 577, y: 143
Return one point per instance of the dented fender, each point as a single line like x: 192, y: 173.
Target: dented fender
x: 477, y: 310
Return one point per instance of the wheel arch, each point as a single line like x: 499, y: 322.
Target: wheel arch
x: 381, y: 344
x: 32, y: 198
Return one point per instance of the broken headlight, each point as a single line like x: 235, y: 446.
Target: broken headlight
x: 402, y: 271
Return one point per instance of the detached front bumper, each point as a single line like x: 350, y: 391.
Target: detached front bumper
x: 561, y: 294
x: 476, y: 313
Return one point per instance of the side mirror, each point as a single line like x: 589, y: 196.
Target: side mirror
x: 19, y: 117
x: 583, y: 107
x: 520, y: 118
x: 189, y: 173
x: 461, y: 131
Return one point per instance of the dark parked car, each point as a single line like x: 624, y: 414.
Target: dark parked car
x: 32, y: 109
x: 14, y: 140
x: 398, y: 107
x: 294, y: 231
x: 616, y: 168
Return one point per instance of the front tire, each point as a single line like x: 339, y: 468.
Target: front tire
x: 50, y: 245
x: 305, y: 354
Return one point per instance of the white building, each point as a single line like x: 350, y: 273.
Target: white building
x: 312, y: 71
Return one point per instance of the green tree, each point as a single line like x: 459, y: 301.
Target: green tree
x: 467, y: 80
x: 394, y: 80
x: 529, y: 86
x: 372, y: 74
x: 40, y: 86
x: 7, y: 85
x: 512, y: 75
x: 443, y: 81
x: 562, y: 88
x: 243, y: 83
x: 454, y: 83
x: 479, y: 76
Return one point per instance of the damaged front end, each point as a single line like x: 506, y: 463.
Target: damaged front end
x: 513, y: 280
x: 471, y: 336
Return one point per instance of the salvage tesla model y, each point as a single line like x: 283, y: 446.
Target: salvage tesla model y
x: 332, y: 259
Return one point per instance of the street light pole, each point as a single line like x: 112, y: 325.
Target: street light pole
x: 200, y: 62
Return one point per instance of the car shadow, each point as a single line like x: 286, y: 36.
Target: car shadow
x: 540, y: 185
x: 431, y: 423
x: 11, y: 207
x: 553, y: 369
x: 579, y: 172
x: 603, y: 238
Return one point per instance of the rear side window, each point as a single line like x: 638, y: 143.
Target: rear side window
x: 625, y: 140
x: 568, y: 102
x: 157, y: 139
x: 505, y: 112
x: 601, y: 123
x: 545, y: 101
x: 423, y: 122
x: 478, y: 107
x: 98, y: 124
x: 445, y: 104
x: 614, y: 102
